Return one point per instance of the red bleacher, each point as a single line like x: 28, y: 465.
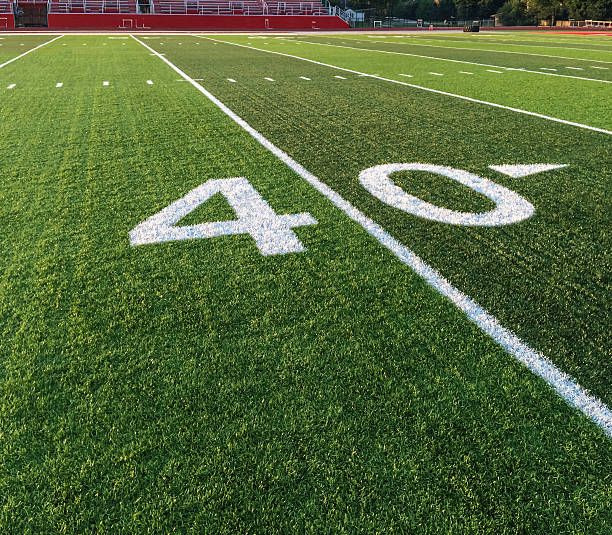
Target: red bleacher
x: 180, y: 14
x: 208, y: 7
x: 92, y: 6
x: 190, y: 7
x: 276, y: 7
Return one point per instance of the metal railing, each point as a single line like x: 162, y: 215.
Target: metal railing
x: 92, y: 6
x: 195, y: 7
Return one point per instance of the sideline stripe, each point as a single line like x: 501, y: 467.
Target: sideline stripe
x: 562, y: 383
x: 31, y: 50
x: 436, y: 91
x: 460, y: 61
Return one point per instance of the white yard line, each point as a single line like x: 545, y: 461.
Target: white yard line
x: 11, y: 86
x: 491, y: 50
x: 104, y: 83
x: 150, y: 82
x: 436, y: 73
x: 428, y: 89
x: 465, y: 72
x: 59, y: 84
x: 513, y: 43
x: 31, y: 50
x: 304, y: 78
x: 496, y: 72
x: 563, y: 384
x: 458, y: 61
x: 271, y: 79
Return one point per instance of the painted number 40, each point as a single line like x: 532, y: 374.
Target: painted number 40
x: 273, y: 233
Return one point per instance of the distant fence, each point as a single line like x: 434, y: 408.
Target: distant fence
x: 371, y: 21
x: 604, y: 24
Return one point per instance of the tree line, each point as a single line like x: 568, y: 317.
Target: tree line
x: 511, y: 12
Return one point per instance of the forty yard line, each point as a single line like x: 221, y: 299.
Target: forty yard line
x: 31, y: 50
x: 462, y: 61
x: 422, y: 88
x: 563, y: 384
x: 489, y: 50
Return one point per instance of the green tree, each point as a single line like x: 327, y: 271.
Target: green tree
x: 467, y: 9
x: 426, y: 10
x: 591, y: 9
x: 486, y: 8
x: 514, y: 13
x: 552, y: 10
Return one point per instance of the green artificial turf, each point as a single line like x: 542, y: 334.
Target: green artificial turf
x: 200, y: 387
x: 12, y: 46
x: 544, y: 278
x: 570, y: 99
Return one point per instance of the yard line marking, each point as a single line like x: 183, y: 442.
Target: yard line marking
x: 575, y: 68
x: 487, y: 50
x: 453, y: 61
x: 304, y: 78
x: 406, y: 75
x: 541, y: 366
x: 11, y: 86
x: 496, y: 72
x: 150, y: 82
x: 340, y: 77
x: 465, y: 72
x: 31, y: 50
x: 59, y: 84
x: 436, y: 73
x: 229, y: 80
x: 428, y: 89
x: 270, y: 79
x: 602, y: 68
x: 513, y: 43
x: 104, y: 83
x: 547, y: 69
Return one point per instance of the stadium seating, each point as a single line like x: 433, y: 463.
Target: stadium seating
x: 189, y: 7
x: 6, y: 7
x: 277, y: 7
x: 92, y: 6
x: 208, y: 7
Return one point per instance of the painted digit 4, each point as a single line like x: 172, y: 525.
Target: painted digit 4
x: 272, y: 233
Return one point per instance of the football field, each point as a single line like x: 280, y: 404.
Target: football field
x: 306, y: 283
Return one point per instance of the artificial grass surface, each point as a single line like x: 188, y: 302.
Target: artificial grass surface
x: 199, y: 386
x: 14, y: 45
x: 564, y: 98
x: 544, y: 277
x: 571, y: 67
